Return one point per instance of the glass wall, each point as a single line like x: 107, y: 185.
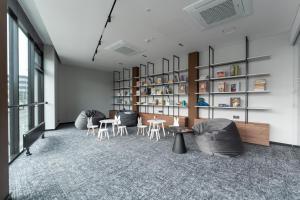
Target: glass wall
x: 25, y: 85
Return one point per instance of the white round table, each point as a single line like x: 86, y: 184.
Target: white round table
x: 156, y: 122
x: 108, y: 121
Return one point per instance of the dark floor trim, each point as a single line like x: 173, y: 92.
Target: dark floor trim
x: 8, y: 197
x: 283, y: 144
x: 15, y: 157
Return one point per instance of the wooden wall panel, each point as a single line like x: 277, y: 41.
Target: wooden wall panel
x: 3, y: 104
x: 254, y: 133
x: 193, y: 61
x: 135, y: 73
x: 183, y: 121
x: 112, y: 114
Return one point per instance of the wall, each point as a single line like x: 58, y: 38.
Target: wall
x: 280, y: 84
x: 297, y: 90
x: 3, y: 104
x: 50, y: 82
x: 80, y: 89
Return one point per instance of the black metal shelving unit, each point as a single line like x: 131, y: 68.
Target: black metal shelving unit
x: 211, y: 80
x: 119, y: 86
x: 166, y: 73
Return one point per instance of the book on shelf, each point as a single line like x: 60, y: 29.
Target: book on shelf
x: 158, y: 81
x: 168, y: 90
x: 221, y: 86
x: 119, y: 101
x: 138, y: 83
x: 235, y: 70
x: 181, y: 89
x: 176, y: 78
x: 203, y: 87
x: 260, y: 85
x: 235, y: 101
x: 182, y: 78
x: 150, y: 81
x: 221, y: 74
x: 235, y: 87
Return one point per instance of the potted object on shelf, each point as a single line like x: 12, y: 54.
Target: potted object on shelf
x: 235, y: 102
x: 260, y: 85
x: 201, y: 102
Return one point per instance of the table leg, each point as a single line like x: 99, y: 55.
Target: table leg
x: 113, y: 129
x: 163, y: 128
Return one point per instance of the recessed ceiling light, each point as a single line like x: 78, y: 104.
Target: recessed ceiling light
x: 148, y: 9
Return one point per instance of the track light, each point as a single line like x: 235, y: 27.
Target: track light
x: 108, y: 20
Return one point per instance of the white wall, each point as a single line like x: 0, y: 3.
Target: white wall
x: 50, y: 81
x: 297, y: 91
x: 80, y: 89
x: 280, y: 83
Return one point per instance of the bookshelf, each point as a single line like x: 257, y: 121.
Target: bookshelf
x: 211, y: 80
x: 161, y: 90
x: 122, y: 96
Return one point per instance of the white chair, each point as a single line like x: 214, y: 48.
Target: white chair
x: 141, y: 128
x: 103, y: 132
x: 121, y: 129
x: 175, y: 124
x: 155, y: 132
x: 90, y: 126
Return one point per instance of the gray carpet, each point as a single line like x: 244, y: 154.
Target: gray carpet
x: 68, y: 164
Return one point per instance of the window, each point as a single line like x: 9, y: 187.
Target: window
x: 25, y: 85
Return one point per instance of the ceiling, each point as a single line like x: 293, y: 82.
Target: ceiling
x: 74, y: 27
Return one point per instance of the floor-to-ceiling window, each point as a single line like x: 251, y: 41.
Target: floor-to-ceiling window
x: 25, y: 85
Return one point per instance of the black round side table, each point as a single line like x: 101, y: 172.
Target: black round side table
x: 179, y: 144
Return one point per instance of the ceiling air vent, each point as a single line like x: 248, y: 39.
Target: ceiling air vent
x: 213, y: 12
x: 124, y: 48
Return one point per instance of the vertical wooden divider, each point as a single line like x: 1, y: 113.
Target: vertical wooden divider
x: 193, y: 61
x: 135, y: 99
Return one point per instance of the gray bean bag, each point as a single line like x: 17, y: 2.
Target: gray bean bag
x: 81, y: 120
x: 128, y: 118
x: 218, y: 137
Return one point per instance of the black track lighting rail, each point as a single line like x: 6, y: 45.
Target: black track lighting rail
x: 108, y: 20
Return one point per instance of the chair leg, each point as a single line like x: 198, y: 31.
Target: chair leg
x: 143, y: 131
x: 138, y: 131
x: 107, y: 134
x: 126, y: 131
x: 100, y: 135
